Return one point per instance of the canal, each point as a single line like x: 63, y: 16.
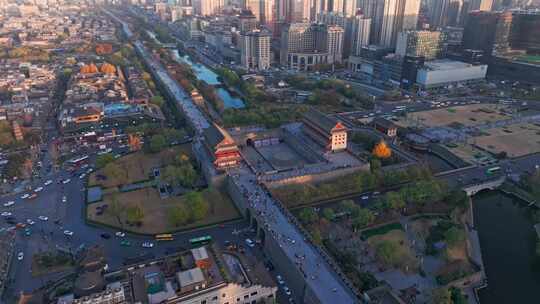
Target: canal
x: 507, y: 239
x: 205, y: 74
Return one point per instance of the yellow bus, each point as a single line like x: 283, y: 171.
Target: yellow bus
x: 164, y: 237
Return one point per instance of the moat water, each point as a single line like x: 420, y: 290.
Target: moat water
x: 507, y: 239
x: 205, y: 74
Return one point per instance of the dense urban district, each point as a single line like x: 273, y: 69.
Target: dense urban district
x: 270, y: 151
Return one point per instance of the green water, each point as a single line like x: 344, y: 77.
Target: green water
x: 507, y: 239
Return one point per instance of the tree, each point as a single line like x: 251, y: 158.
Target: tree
x: 103, y: 160
x: 363, y: 218
x: 328, y: 213
x: 316, y: 235
x: 179, y: 215
x: 308, y: 216
x: 157, y: 100
x: 375, y: 164
x: 157, y: 143
x: 457, y: 296
x: 113, y: 171
x: 458, y: 198
x: 394, y: 200
x: 134, y: 214
x: 441, y: 296
x: 387, y: 252
x: 198, y: 205
x: 115, y: 209
x: 382, y: 150
x: 454, y: 236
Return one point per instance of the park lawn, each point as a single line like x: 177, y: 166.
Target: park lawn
x: 138, y: 166
x: 38, y: 269
x: 405, y: 261
x: 156, y: 211
x: 380, y: 230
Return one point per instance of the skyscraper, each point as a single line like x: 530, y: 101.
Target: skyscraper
x: 481, y: 5
x: 349, y: 8
x: 360, y: 29
x: 334, y: 43
x: 487, y: 31
x: 255, y: 49
x: 428, y: 44
x: 269, y: 10
x: 389, y: 17
x: 255, y: 6
x: 207, y: 7
x: 445, y: 13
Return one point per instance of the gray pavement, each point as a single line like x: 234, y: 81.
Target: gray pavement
x: 320, y: 276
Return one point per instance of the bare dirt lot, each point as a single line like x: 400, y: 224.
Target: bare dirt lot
x: 468, y: 115
x: 515, y: 140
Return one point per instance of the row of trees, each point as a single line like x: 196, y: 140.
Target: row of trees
x: 269, y: 115
x: 353, y: 183
x: 195, y: 208
x: 330, y: 91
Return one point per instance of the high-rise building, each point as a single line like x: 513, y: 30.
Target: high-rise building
x: 255, y: 49
x: 360, y: 29
x: 283, y: 9
x: 255, y: 7
x: 247, y: 21
x: 445, y: 13
x: 305, y: 45
x: 481, y: 5
x: 207, y: 7
x: 331, y: 18
x: 525, y: 32
x: 349, y: 8
x: 334, y: 43
x: 428, y: 44
x: 389, y: 17
x: 269, y: 10
x: 487, y: 31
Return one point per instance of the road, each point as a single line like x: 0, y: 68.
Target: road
x: 46, y: 235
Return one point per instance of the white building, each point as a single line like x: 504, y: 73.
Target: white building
x: 360, y: 30
x: 445, y: 72
x: 255, y: 49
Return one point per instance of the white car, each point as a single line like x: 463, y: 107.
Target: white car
x: 25, y: 196
x: 38, y: 189
x: 30, y: 222
x: 43, y: 218
x: 250, y: 243
x: 5, y: 213
x: 20, y: 256
x: 64, y: 199
x: 280, y: 279
x: 68, y: 233
x: 66, y: 181
x: 148, y: 245
x: 82, y: 176
x: 287, y: 290
x: 364, y: 197
x: 10, y: 203
x: 120, y: 234
x: 48, y: 182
